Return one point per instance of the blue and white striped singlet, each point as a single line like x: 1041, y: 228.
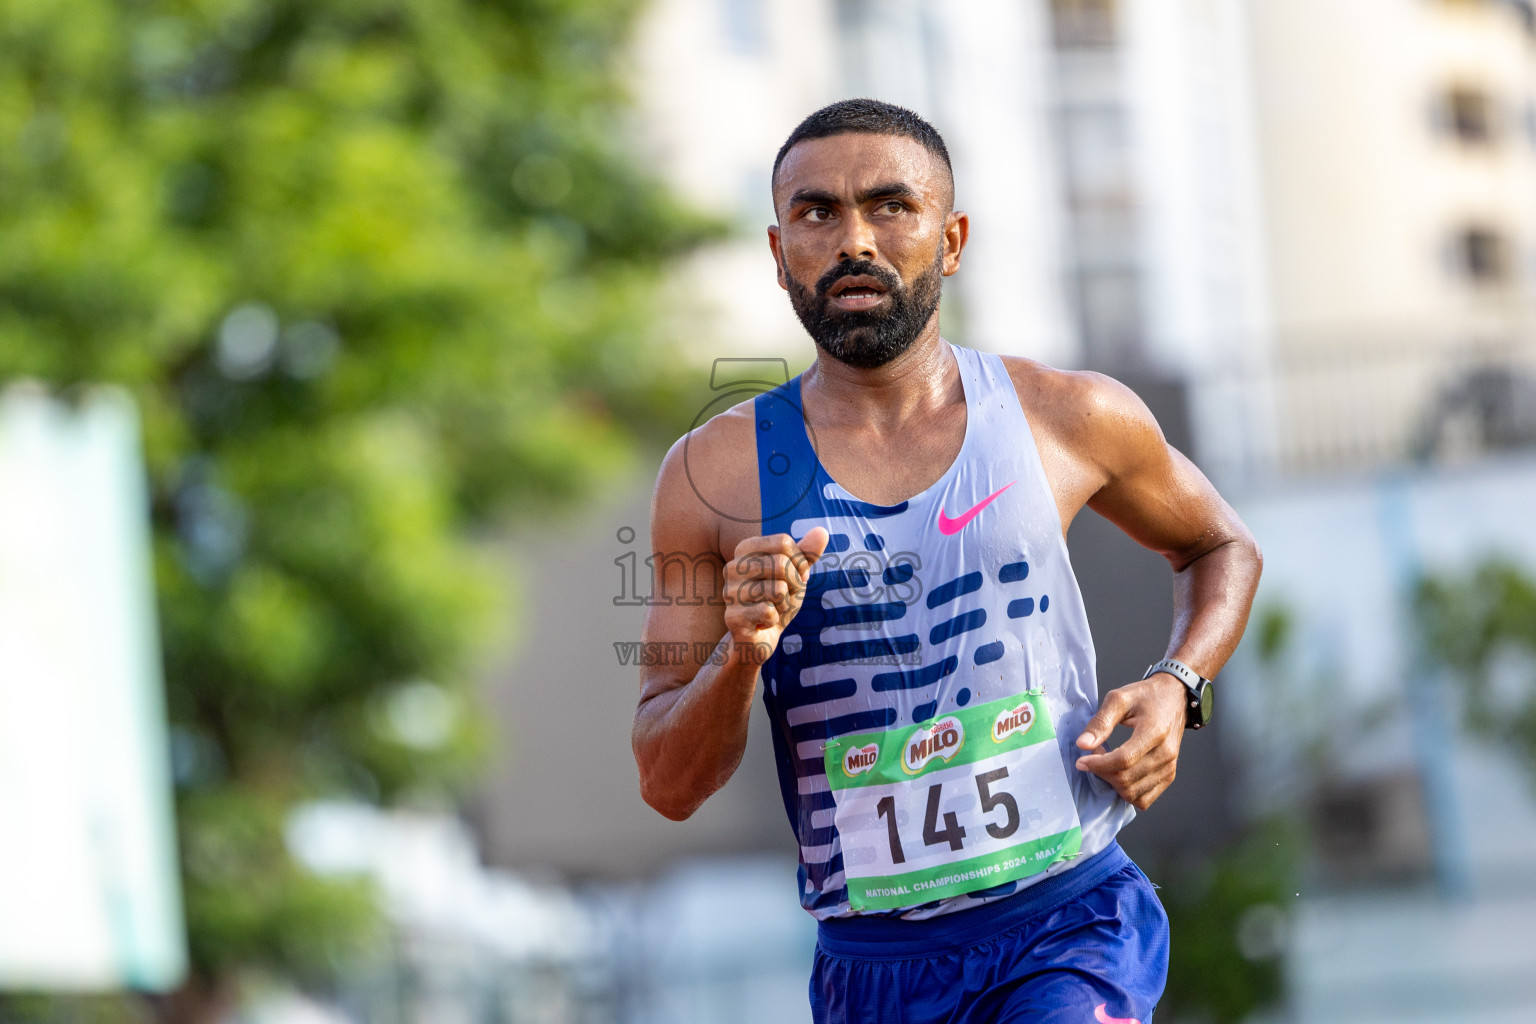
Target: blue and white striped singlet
x: 960, y: 595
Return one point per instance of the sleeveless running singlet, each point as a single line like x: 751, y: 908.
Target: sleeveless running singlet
x: 925, y: 699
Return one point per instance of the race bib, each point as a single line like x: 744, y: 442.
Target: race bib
x: 963, y: 802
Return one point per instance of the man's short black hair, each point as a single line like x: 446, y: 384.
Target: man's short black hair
x: 865, y: 117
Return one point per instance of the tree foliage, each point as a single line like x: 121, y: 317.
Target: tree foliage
x: 377, y: 272
x: 1228, y: 925
x: 1482, y: 627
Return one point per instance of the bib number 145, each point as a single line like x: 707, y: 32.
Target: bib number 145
x: 953, y: 832
x: 988, y: 786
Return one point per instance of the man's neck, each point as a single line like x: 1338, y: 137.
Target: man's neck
x: 921, y: 379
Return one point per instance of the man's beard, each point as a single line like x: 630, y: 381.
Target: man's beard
x: 868, y: 338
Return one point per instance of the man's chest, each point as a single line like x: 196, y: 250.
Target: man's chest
x: 888, y: 468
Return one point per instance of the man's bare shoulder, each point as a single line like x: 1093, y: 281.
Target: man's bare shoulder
x: 722, y: 448
x: 708, y: 480
x: 1074, y: 404
x: 1087, y: 425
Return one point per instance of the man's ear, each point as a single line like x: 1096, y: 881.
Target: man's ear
x: 957, y: 231
x: 778, y: 255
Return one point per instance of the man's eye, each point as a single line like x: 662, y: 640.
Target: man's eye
x: 817, y: 213
x: 892, y: 207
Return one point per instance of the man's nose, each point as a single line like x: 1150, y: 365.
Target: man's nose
x: 858, y: 242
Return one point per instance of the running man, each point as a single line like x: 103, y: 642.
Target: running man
x: 888, y: 533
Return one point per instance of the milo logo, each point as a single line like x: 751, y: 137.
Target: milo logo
x: 859, y: 760
x: 942, y: 739
x: 1013, y: 721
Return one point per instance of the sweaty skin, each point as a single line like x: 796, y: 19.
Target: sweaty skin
x: 887, y: 434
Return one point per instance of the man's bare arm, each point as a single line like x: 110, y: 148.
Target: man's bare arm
x: 1133, y: 478
x: 690, y: 729
x: 1163, y: 502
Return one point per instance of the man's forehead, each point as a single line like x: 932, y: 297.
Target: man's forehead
x: 852, y: 160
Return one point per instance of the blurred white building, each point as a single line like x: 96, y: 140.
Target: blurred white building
x: 1105, y: 152
x: 721, y: 83
x: 1321, y: 217
x: 1398, y: 146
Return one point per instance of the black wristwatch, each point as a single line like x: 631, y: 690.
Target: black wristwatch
x: 1202, y: 696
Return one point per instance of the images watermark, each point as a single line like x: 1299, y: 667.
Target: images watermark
x: 692, y: 579
x: 651, y: 653
x: 646, y: 653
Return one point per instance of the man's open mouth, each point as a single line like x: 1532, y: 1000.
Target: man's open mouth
x: 856, y: 292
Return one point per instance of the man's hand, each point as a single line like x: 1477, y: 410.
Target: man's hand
x: 765, y: 586
x: 1144, y: 765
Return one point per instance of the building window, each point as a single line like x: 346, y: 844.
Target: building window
x: 1469, y: 115
x: 1483, y: 255
x: 1085, y: 23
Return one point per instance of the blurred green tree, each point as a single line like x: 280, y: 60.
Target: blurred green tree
x: 1482, y: 627
x: 378, y: 273
x: 1228, y: 923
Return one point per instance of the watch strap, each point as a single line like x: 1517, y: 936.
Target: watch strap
x: 1180, y: 671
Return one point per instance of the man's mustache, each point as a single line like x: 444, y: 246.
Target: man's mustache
x: 857, y: 268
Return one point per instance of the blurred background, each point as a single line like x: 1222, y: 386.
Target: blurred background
x: 340, y: 342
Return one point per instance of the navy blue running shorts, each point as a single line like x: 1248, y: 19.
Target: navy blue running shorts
x: 1089, y: 946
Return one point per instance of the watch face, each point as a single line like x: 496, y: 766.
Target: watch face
x: 1207, y: 702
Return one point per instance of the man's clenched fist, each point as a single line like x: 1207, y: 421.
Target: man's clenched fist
x: 765, y: 584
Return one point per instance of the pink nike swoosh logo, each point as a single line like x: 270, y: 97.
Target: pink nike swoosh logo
x: 1104, y: 1018
x: 948, y: 526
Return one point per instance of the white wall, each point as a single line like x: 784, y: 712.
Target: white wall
x: 993, y: 108
x: 719, y: 84
x: 1362, y: 191
x: 715, y: 111
x: 1187, y: 84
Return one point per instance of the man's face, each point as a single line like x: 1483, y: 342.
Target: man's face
x: 865, y: 235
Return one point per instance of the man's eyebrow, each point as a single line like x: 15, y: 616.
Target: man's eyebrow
x: 813, y: 195
x: 890, y: 190
x: 821, y: 197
